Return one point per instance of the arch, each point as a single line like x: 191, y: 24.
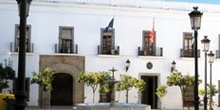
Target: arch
x: 62, y: 93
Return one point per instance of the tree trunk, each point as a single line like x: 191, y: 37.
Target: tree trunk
x: 93, y: 96
x: 126, y: 96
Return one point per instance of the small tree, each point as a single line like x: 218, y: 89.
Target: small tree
x: 161, y: 91
x: 93, y: 79
x: 6, y: 73
x: 44, y: 79
x: 214, y: 90
x: 182, y: 81
x: 127, y: 82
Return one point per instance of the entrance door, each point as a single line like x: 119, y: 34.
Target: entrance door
x: 149, y: 96
x: 61, y: 95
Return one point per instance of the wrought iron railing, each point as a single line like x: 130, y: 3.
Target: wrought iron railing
x: 189, y: 53
x: 115, y: 50
x: 73, y: 49
x: 156, y: 51
x: 217, y: 54
x: 14, y: 47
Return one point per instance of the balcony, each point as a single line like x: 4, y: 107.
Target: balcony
x: 108, y: 50
x: 189, y: 53
x: 157, y: 51
x: 15, y: 48
x: 217, y: 54
x: 70, y: 50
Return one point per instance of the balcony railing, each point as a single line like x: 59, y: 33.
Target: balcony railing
x: 217, y: 54
x: 109, y: 51
x: 143, y: 51
x: 15, y: 48
x: 61, y: 49
x: 188, y: 53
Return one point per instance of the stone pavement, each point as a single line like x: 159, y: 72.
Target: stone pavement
x: 71, y: 108
x: 51, y: 108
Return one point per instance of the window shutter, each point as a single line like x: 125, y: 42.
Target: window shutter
x: 66, y: 34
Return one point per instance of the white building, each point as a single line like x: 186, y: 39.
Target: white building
x: 75, y: 26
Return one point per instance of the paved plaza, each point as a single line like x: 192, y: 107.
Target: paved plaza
x: 51, y: 108
x: 72, y: 108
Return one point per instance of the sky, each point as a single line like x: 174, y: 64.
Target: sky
x: 199, y: 1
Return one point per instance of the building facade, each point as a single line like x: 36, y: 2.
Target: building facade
x: 70, y: 36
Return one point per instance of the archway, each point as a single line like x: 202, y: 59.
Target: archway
x: 62, y: 92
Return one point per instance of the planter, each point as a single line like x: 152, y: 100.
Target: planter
x: 3, y: 103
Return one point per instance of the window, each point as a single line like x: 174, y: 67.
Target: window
x: 218, y: 51
x: 107, y: 45
x: 66, y: 41
x: 14, y: 46
x: 187, y: 45
x: 148, y: 45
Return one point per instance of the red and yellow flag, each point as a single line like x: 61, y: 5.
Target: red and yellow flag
x: 152, y: 34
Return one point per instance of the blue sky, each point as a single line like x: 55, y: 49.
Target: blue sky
x: 199, y: 1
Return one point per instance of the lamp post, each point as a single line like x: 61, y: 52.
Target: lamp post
x: 195, y: 18
x: 211, y: 60
x: 20, y: 95
x: 206, y: 42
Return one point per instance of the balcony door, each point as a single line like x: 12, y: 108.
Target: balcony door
x: 66, y: 39
x: 188, y: 45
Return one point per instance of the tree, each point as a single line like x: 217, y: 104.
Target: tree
x: 6, y: 73
x: 161, y: 91
x: 93, y: 79
x: 184, y: 82
x: 214, y: 90
x: 44, y: 79
x: 127, y: 82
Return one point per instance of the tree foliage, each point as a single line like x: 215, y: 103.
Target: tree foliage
x: 177, y: 79
x: 214, y: 90
x: 44, y: 78
x: 6, y: 73
x: 161, y: 91
x: 127, y: 82
x: 93, y: 79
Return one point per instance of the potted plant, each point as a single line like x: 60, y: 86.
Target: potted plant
x: 6, y: 73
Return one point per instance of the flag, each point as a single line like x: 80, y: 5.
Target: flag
x: 110, y: 25
x: 152, y: 34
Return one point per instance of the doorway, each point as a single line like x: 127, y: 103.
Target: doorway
x: 149, y: 96
x: 61, y: 95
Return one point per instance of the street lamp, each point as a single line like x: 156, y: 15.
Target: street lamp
x: 206, y: 42
x: 20, y: 94
x: 128, y: 62
x: 173, y: 66
x: 211, y: 60
x: 195, y: 19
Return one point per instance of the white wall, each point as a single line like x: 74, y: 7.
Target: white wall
x: 171, y: 20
